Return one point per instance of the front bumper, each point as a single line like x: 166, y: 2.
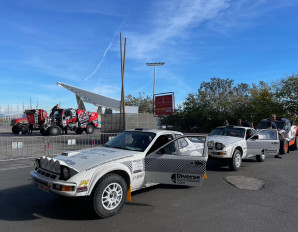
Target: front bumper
x: 56, y: 186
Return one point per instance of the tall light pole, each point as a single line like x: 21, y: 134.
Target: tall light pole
x: 154, y: 64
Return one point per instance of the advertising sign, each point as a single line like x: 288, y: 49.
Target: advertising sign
x: 164, y: 104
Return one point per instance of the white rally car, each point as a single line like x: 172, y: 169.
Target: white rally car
x: 236, y: 143
x: 132, y: 160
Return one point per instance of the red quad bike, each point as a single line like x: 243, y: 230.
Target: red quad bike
x: 288, y: 133
x: 70, y: 119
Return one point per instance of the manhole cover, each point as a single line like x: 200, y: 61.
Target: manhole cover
x: 246, y: 183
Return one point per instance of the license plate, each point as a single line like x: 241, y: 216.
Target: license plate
x: 42, y: 187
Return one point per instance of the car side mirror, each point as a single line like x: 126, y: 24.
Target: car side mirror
x: 255, y: 137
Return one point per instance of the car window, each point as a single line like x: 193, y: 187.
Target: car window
x: 268, y: 135
x: 160, y: 141
x: 182, y: 143
x: 132, y: 140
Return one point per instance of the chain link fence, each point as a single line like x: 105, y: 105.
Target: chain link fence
x: 24, y: 148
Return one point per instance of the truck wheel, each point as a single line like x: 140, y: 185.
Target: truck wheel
x: 79, y: 131
x: 109, y: 195
x: 260, y: 158
x: 296, y: 143
x: 236, y: 160
x: 24, y: 129
x: 90, y: 129
x: 284, y: 146
x: 54, y: 130
x: 15, y: 129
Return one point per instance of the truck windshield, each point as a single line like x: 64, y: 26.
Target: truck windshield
x: 131, y: 140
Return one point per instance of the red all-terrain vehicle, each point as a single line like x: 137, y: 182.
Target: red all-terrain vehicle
x: 69, y: 119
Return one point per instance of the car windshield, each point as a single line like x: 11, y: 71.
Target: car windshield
x: 229, y: 131
x: 131, y: 140
x: 264, y: 124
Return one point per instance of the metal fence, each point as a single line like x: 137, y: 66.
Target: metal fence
x: 28, y: 147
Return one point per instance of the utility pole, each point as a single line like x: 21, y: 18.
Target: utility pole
x: 30, y: 103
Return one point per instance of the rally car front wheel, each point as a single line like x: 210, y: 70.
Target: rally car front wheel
x: 235, y: 161
x: 109, y: 196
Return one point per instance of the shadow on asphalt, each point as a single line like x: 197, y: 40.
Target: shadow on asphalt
x: 223, y: 164
x: 28, y: 203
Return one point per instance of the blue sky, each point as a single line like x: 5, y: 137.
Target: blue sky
x: 77, y: 43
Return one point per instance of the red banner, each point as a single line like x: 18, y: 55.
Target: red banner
x: 164, y: 105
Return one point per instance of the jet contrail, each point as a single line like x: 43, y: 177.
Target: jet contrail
x: 108, y: 48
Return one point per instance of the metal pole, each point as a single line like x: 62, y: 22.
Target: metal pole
x: 154, y: 89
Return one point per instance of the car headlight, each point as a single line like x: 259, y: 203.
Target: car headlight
x: 219, y: 146
x: 57, y: 167
x: 65, y: 173
x: 52, y: 165
x: 210, y: 143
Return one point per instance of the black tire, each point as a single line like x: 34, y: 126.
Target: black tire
x: 90, y: 129
x: 260, y: 158
x: 54, y: 130
x: 295, y: 146
x: 113, y: 189
x: 236, y: 160
x: 24, y: 129
x: 15, y: 129
x: 79, y: 131
x: 284, y: 146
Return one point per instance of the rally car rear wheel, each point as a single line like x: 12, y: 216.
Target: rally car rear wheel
x: 109, y: 195
x: 296, y: 143
x: 236, y: 160
x: 284, y: 146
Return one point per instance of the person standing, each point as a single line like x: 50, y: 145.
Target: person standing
x: 271, y: 122
x: 272, y: 125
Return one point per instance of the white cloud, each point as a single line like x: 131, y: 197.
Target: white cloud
x: 173, y: 20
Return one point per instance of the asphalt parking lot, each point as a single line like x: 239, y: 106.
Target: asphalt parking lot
x: 215, y: 206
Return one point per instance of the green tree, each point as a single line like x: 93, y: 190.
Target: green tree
x: 287, y: 93
x: 144, y: 103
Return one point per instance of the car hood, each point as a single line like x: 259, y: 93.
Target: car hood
x: 225, y: 140
x: 91, y: 158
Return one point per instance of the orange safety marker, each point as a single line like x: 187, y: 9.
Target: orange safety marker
x: 128, y: 198
x: 205, y: 176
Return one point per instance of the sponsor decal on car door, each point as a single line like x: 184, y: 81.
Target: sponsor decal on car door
x: 265, y: 142
x: 171, y: 164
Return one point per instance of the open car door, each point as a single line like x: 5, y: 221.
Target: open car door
x: 181, y: 161
x: 265, y: 142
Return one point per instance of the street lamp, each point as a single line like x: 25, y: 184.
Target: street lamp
x: 154, y: 64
